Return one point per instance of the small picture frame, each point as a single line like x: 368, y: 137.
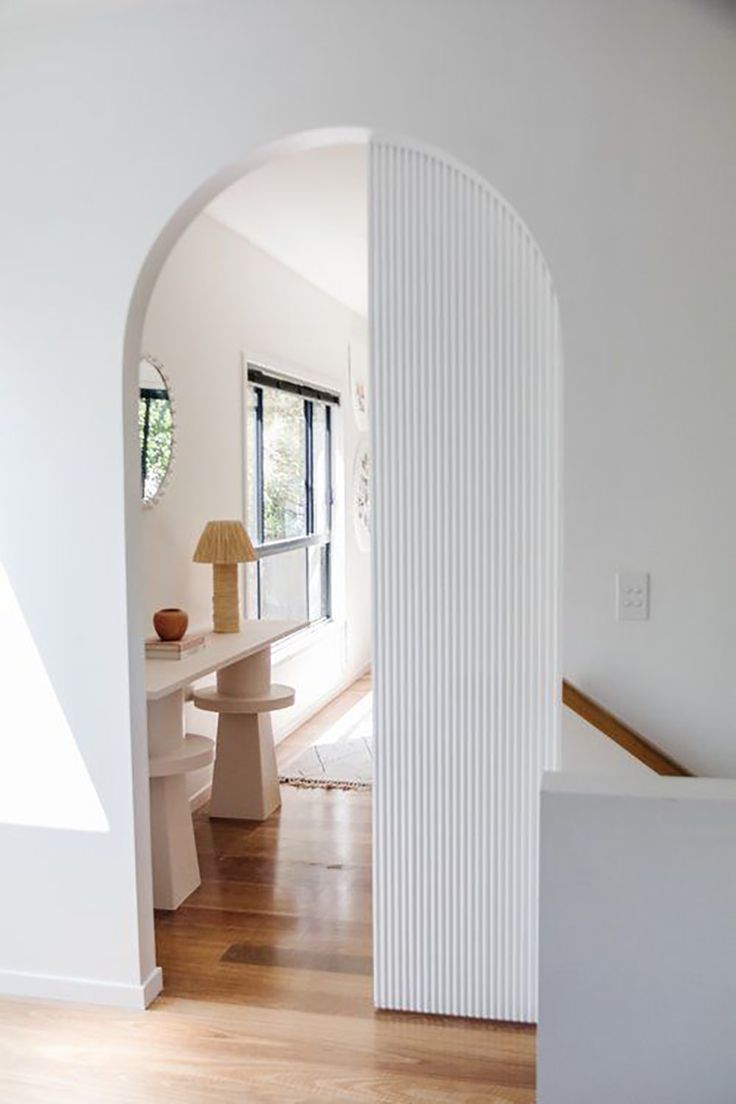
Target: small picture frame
x: 358, y: 366
x: 362, y: 495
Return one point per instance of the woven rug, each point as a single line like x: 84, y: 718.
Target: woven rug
x: 342, y: 757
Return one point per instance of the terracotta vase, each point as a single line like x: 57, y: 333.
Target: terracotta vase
x: 170, y: 624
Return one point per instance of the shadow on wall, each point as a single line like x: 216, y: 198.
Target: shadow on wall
x: 44, y: 782
x: 722, y: 7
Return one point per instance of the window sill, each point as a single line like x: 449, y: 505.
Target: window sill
x: 310, y: 637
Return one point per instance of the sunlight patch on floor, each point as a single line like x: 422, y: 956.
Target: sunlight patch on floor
x: 345, y: 725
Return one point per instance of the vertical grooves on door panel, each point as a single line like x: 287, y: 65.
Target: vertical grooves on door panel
x: 465, y: 392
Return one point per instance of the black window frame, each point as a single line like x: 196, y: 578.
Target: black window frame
x: 259, y: 379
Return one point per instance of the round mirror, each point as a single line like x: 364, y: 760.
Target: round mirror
x: 155, y: 428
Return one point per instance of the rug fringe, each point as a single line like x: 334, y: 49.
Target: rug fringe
x: 313, y: 784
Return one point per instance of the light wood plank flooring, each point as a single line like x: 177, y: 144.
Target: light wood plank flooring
x: 267, y: 987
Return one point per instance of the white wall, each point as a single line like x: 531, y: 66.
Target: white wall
x: 217, y: 297
x: 585, y: 750
x: 637, y: 922
x: 611, y: 129
x: 309, y: 211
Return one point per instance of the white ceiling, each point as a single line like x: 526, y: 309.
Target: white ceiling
x: 309, y: 210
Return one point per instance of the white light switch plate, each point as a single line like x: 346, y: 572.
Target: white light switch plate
x: 632, y: 596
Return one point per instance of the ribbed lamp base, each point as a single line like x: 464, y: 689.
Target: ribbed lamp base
x: 225, y: 599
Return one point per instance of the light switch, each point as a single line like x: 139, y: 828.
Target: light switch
x: 632, y: 596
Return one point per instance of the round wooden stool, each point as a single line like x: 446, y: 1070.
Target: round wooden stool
x: 245, y: 784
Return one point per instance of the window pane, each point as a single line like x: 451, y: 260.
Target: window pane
x: 284, y: 466
x: 284, y: 586
x: 321, y: 469
x: 319, y: 582
x: 251, y: 590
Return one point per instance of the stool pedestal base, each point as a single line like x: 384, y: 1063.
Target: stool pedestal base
x: 171, y: 755
x: 174, y: 854
x: 245, y: 784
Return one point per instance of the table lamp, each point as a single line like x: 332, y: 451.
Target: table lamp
x: 225, y: 544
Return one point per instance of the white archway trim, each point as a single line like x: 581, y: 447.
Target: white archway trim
x: 466, y: 486
x: 466, y: 421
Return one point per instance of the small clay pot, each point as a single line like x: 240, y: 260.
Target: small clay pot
x: 170, y: 624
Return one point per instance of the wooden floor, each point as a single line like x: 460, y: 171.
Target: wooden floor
x: 267, y: 973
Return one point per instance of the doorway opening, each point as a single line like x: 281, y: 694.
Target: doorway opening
x: 464, y: 415
x: 254, y: 407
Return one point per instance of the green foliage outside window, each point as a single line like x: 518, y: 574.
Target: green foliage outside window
x: 155, y: 428
x: 284, y: 490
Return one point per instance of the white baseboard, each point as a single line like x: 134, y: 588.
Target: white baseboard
x: 201, y: 797
x: 152, y: 986
x: 81, y: 990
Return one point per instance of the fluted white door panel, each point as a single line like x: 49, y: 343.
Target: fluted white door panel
x: 466, y: 402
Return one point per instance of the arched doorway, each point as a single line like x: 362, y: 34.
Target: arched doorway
x: 466, y: 386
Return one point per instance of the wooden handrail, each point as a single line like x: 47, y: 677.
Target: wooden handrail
x: 620, y: 733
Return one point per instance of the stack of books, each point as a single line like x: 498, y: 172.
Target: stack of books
x: 174, y: 649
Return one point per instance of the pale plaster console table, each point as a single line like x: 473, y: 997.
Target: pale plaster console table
x: 245, y: 779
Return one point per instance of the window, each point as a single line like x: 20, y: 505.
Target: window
x: 290, y: 499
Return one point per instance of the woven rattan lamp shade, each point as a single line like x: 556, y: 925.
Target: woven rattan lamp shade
x: 225, y: 544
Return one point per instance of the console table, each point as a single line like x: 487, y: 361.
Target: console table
x: 245, y: 782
